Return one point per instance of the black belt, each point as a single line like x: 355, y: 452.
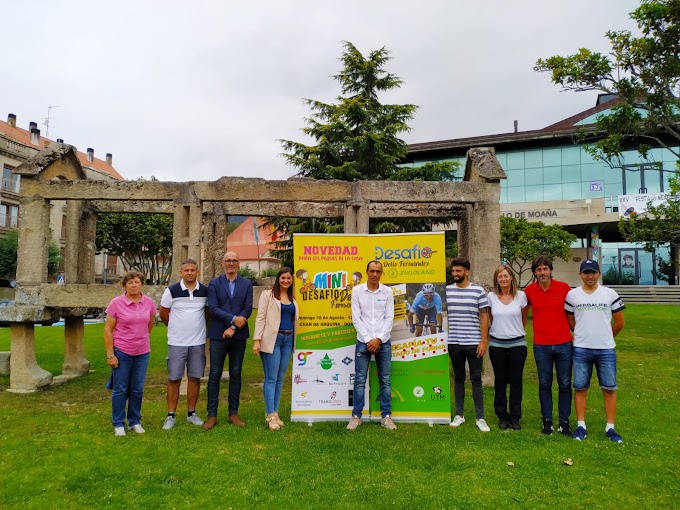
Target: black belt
x: 286, y: 331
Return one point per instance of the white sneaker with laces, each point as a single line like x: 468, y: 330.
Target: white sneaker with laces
x: 457, y: 421
x: 119, y: 431
x: 169, y: 423
x: 388, y: 423
x: 481, y: 425
x: 137, y: 428
x: 354, y: 423
x: 195, y: 419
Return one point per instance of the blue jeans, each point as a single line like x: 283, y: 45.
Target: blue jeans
x: 561, y: 357
x: 275, y: 366
x: 219, y: 350
x: 128, y: 388
x: 362, y: 359
x: 605, y: 364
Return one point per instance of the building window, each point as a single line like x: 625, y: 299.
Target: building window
x: 13, y: 216
x: 642, y: 178
x: 4, y: 215
x: 10, y: 181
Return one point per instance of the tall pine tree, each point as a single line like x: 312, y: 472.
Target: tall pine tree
x: 357, y: 138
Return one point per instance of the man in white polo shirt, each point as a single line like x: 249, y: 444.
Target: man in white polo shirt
x: 595, y: 314
x: 183, y: 309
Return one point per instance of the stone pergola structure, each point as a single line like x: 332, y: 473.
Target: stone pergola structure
x: 200, y: 210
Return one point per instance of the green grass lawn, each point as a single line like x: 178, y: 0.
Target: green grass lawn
x: 57, y: 448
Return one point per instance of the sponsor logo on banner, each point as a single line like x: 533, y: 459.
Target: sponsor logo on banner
x: 302, y: 358
x: 418, y: 391
x: 347, y: 360
x: 337, y: 380
x: 303, y: 401
x: 415, y: 252
x: 333, y: 400
x: 298, y: 379
x: 319, y: 381
x: 437, y: 394
x: 351, y: 379
x: 326, y: 362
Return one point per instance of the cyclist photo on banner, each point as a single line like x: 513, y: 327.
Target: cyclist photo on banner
x: 427, y: 308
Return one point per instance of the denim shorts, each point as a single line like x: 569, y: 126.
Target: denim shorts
x: 605, y: 364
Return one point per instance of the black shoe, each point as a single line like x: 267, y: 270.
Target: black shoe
x: 503, y: 424
x: 547, y: 427
x: 564, y: 429
x: 514, y: 424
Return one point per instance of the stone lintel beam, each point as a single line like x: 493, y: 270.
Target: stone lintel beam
x: 429, y: 192
x: 297, y: 209
x: 79, y: 295
x: 23, y: 313
x: 416, y: 210
x: 236, y: 189
x: 132, y: 206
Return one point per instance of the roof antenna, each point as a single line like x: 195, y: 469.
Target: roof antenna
x: 47, y: 120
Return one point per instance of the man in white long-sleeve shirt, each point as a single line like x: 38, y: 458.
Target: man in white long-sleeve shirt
x: 372, y: 316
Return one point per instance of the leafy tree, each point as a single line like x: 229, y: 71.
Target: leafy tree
x: 248, y: 273
x: 522, y: 241
x: 659, y: 226
x: 356, y: 138
x: 644, y: 72
x: 9, y: 246
x: 142, y: 241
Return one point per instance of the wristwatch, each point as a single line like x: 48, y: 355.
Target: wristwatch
x: 109, y: 357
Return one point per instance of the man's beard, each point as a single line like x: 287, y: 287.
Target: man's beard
x: 458, y: 279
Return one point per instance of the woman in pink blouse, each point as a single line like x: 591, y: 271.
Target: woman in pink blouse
x: 129, y: 319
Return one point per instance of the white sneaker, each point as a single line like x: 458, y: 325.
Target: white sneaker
x: 137, y: 428
x: 169, y: 423
x: 354, y: 423
x: 388, y: 423
x: 481, y: 425
x: 195, y: 419
x: 119, y: 431
x: 457, y: 421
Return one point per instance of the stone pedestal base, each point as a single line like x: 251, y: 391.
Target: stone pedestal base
x: 75, y: 362
x: 25, y: 374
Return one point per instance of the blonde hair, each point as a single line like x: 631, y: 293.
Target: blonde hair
x: 513, y: 280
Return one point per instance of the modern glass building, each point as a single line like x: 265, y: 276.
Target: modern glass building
x: 551, y: 178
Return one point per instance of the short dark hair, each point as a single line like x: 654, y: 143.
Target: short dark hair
x: 541, y: 260
x: 131, y: 275
x: 460, y: 261
x: 373, y: 262
x: 189, y: 261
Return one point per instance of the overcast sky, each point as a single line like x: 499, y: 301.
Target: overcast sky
x: 198, y: 90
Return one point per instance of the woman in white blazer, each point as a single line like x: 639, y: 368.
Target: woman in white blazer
x: 274, y: 338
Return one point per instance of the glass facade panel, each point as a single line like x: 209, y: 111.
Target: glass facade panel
x: 515, y: 160
x: 552, y: 157
x: 613, y: 175
x: 515, y: 178
x: 592, y: 172
x: 504, y: 195
x: 571, y: 191
x: 534, y: 193
x: 533, y: 159
x: 587, y: 191
x: 571, y: 155
x: 533, y: 176
x: 552, y: 192
x: 571, y: 173
x: 613, y: 189
x: 516, y: 194
x: 552, y: 175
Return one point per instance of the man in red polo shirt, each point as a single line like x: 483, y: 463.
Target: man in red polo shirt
x: 552, y: 343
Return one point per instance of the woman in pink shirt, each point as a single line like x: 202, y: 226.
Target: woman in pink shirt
x: 129, y: 319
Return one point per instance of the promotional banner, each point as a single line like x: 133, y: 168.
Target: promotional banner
x: 327, y: 267
x: 637, y: 204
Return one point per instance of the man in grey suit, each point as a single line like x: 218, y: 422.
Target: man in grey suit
x: 230, y: 300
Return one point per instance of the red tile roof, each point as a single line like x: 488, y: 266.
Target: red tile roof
x: 242, y: 239
x: 23, y: 136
